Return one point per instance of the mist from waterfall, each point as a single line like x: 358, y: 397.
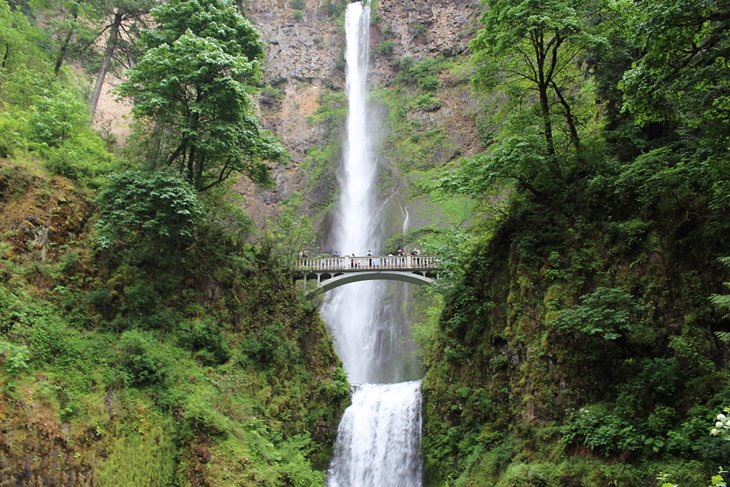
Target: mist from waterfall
x: 378, y: 442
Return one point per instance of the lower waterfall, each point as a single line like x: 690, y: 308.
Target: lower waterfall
x: 379, y: 438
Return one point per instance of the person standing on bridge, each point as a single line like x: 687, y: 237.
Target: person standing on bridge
x: 370, y: 258
x: 415, y: 253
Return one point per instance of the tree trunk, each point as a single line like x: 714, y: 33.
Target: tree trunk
x: 6, y: 55
x: 64, y: 48
x: 569, y: 119
x: 547, y: 123
x: 538, y: 44
x: 111, y: 45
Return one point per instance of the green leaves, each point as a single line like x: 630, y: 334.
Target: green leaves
x: 683, y: 75
x: 606, y: 312
x: 194, y: 82
x: 148, y: 206
x: 600, y: 431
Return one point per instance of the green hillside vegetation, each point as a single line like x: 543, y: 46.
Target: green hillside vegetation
x: 145, y: 339
x: 584, y: 339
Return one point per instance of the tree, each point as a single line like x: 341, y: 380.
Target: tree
x: 192, y: 87
x: 533, y: 46
x: 121, y: 18
x: 17, y: 42
x: 68, y: 22
x: 682, y: 79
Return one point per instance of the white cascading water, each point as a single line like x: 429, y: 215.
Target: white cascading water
x: 378, y: 441
x: 375, y: 444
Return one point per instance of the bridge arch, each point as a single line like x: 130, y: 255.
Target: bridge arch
x: 349, y: 278
x: 336, y: 271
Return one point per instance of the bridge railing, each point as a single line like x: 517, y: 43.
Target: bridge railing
x: 370, y: 262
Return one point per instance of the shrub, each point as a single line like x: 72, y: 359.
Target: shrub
x: 13, y: 134
x: 385, y: 48
x: 83, y: 157
x: 428, y: 83
x: 204, y: 337
x: 333, y: 8
x: 58, y: 117
x: 600, y: 431
x: 16, y: 357
x: 418, y: 30
x: 51, y: 341
x: 608, y: 312
x: 12, y: 311
x: 428, y: 102
x: 154, y: 207
x: 142, y: 361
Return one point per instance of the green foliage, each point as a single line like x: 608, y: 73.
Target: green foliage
x: 148, y: 206
x: 44, y: 116
x: 385, y: 48
x: 600, y: 431
x: 141, y: 359
x: 14, y: 135
x: 420, y: 73
x: 428, y: 102
x: 418, y: 31
x: 266, y: 346
x: 681, y: 76
x: 722, y: 301
x: 145, y: 457
x: 56, y: 118
x: 291, y: 231
x: 334, y: 8
x: 52, y: 341
x: 608, y: 312
x: 205, y: 338
x: 16, y: 358
x: 21, y: 47
x: 193, y: 82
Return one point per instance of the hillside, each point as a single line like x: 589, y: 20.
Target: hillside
x: 146, y: 338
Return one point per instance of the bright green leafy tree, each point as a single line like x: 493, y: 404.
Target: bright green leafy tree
x: 531, y: 47
x: 193, y: 87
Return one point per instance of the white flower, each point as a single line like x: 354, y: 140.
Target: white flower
x: 721, y: 417
x: 719, y: 424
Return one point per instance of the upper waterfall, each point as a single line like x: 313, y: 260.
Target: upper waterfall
x: 350, y: 311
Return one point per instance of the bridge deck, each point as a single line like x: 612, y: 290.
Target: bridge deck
x: 415, y: 263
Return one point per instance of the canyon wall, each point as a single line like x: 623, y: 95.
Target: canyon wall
x: 303, y: 102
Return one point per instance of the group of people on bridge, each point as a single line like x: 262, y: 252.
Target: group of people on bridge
x: 392, y: 261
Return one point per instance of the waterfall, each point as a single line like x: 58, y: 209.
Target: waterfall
x: 378, y: 441
x: 379, y: 437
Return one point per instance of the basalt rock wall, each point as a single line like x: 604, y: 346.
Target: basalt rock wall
x: 304, y: 43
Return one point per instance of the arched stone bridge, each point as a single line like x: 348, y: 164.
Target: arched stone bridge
x: 332, y: 272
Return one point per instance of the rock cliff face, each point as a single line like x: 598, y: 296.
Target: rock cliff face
x: 305, y: 44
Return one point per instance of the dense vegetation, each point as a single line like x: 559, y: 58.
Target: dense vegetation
x: 148, y: 336
x: 584, y: 342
